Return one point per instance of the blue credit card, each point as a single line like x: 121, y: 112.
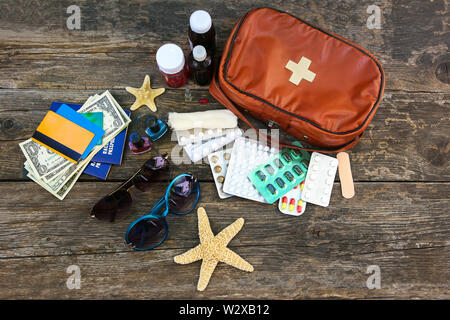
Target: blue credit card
x: 70, y: 114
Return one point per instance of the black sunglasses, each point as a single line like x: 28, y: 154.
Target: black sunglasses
x: 114, y: 205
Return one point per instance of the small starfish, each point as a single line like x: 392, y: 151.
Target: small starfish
x: 145, y: 95
x: 213, y: 249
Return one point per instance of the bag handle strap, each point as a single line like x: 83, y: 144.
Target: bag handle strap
x: 217, y: 92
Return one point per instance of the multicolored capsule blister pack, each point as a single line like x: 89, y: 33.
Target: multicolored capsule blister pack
x: 291, y: 203
x: 218, y: 162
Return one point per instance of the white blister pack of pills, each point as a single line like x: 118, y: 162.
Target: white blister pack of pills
x: 197, y: 151
x: 319, y: 179
x: 197, y: 135
x: 218, y: 161
x: 246, y: 155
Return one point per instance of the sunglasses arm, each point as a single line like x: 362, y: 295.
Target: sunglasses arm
x: 127, y: 184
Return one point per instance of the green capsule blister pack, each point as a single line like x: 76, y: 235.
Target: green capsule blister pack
x: 280, y: 174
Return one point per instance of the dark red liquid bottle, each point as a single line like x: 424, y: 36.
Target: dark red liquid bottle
x: 201, y: 31
x: 201, y: 65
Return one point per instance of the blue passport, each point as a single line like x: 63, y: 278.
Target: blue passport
x: 97, y: 169
x: 55, y: 106
x: 112, y: 153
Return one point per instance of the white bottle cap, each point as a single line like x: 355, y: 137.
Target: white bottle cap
x: 199, y: 53
x: 200, y: 21
x: 170, y: 58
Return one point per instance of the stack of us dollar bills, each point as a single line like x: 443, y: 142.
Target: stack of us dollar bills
x: 58, y: 175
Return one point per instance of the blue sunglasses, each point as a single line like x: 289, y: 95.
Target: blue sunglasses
x: 151, y: 230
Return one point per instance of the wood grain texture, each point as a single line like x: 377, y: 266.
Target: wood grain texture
x: 407, y: 140
x: 401, y: 227
x: 398, y: 219
x: 38, y: 50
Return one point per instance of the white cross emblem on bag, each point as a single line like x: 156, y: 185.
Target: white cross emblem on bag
x: 300, y: 71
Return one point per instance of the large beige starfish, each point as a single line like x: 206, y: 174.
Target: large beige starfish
x: 213, y: 249
x: 145, y: 95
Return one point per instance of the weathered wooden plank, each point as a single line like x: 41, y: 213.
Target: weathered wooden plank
x: 407, y: 140
x: 401, y: 227
x: 382, y: 216
x: 282, y: 272
x: 40, y: 52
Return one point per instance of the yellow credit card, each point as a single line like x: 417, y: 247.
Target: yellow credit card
x: 63, y: 136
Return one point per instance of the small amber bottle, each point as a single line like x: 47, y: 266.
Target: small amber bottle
x: 201, y: 65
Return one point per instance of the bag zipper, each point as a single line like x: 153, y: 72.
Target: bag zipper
x: 287, y: 112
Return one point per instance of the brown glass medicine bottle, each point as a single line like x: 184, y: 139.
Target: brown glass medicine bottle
x: 201, y: 31
x: 201, y: 65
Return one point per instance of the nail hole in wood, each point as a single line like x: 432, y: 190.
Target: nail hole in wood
x: 442, y: 72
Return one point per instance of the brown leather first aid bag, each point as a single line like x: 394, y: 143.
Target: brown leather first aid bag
x: 317, y: 86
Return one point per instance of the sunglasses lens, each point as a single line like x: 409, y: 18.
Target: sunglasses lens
x: 183, y: 194
x: 113, y: 206
x: 153, y: 169
x: 142, y: 182
x: 147, y: 233
x: 156, y: 163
